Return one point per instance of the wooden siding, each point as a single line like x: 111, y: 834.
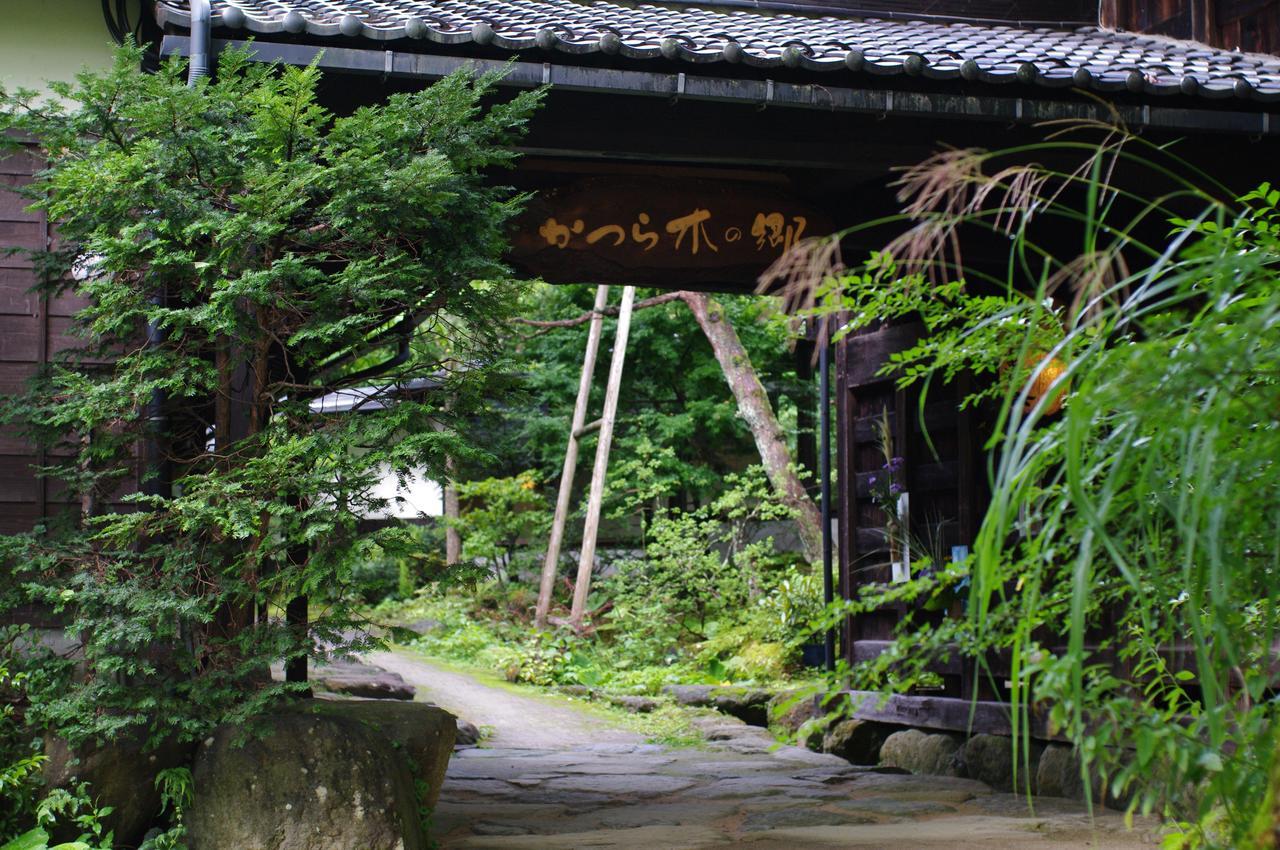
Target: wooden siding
x: 1043, y: 11
x: 33, y: 328
x: 1252, y: 26
x: 939, y: 446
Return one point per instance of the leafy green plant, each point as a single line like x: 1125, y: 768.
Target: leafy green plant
x: 1135, y: 501
x: 177, y: 793
x: 698, y: 582
x: 794, y: 605
x: 38, y: 839
x: 279, y: 253
x: 499, y: 514
x: 19, y: 765
x: 72, y: 807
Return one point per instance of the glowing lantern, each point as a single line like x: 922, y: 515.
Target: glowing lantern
x: 1041, y: 383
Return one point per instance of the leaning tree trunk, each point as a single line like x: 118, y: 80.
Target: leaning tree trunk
x: 452, y: 539
x: 753, y: 404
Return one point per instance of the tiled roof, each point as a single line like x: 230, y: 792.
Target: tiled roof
x: 1086, y: 57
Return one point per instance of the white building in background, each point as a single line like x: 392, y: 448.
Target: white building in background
x: 408, y: 498
x: 413, y: 498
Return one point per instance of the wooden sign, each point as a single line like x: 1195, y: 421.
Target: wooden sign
x: 652, y: 232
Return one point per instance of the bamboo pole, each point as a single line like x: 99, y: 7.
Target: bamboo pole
x: 551, y: 562
x: 586, y: 561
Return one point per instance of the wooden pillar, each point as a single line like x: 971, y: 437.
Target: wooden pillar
x: 295, y: 617
x: 806, y: 410
x: 591, y: 528
x: 550, y: 563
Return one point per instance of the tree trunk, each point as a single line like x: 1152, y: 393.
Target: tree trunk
x: 452, y: 539
x: 754, y: 406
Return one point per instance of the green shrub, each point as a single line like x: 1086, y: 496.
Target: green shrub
x: 259, y: 233
x: 498, y: 515
x: 1144, y: 514
x: 19, y: 762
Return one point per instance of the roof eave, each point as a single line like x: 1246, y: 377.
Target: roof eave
x: 756, y: 92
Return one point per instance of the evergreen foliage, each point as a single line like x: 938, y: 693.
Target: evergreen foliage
x: 678, y: 430
x: 279, y: 253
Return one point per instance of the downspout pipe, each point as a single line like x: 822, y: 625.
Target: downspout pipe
x: 158, y: 478
x: 201, y: 26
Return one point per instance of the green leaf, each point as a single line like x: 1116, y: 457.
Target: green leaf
x: 36, y: 839
x: 1211, y: 762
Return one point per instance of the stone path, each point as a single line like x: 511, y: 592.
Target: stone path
x: 513, y: 720
x: 588, y: 784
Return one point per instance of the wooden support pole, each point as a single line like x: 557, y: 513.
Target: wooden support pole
x: 551, y: 562
x: 590, y: 530
x: 295, y: 616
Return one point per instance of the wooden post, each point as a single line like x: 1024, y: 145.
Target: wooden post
x: 591, y: 528
x: 551, y: 562
x: 452, y: 511
x: 295, y: 616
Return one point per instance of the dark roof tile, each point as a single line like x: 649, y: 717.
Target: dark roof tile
x: 999, y: 53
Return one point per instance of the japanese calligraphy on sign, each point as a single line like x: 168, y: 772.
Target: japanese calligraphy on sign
x: 628, y: 230
x: 771, y: 231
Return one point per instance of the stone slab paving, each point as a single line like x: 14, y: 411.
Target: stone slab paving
x: 553, y: 777
x: 772, y: 798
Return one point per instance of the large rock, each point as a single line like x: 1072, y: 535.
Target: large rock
x: 121, y: 774
x: 468, y: 734
x: 856, y: 741
x: 424, y: 733
x: 634, y: 704
x: 750, y: 705
x: 1058, y: 774
x: 921, y: 752
x: 322, y: 776
x: 990, y: 759
x: 694, y: 695
x: 794, y: 715
x: 361, y: 680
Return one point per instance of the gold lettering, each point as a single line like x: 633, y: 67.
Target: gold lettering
x: 644, y: 235
x: 558, y: 234
x: 613, y: 230
x: 772, y: 229
x: 695, y: 223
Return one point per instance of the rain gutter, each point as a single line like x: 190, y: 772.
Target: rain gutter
x: 757, y: 93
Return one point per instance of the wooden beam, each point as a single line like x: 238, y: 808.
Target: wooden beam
x: 550, y: 563
x: 591, y: 528
x: 589, y: 428
x: 947, y: 714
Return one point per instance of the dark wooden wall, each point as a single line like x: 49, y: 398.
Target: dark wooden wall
x: 940, y: 447
x: 1044, y: 11
x: 1249, y: 25
x: 32, y: 329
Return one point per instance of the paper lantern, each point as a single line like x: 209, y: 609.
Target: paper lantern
x: 1042, y: 383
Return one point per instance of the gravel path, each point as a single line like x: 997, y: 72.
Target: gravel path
x: 515, y: 720
x: 556, y: 777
